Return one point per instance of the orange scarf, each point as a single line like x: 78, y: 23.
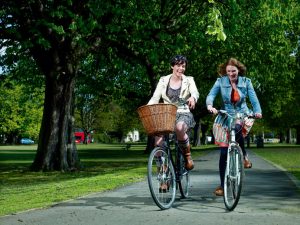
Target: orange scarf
x: 235, y: 97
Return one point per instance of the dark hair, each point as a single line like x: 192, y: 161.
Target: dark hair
x: 232, y: 62
x: 178, y: 60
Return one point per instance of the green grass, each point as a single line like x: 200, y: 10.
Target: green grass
x: 105, y: 167
x: 286, y: 156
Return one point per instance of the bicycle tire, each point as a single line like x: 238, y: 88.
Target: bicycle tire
x: 234, y: 175
x: 161, y: 171
x: 183, y: 176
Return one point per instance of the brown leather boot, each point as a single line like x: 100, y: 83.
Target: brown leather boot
x: 247, y: 163
x: 219, y: 191
x: 189, y: 164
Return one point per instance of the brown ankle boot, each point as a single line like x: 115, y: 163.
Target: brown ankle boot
x: 189, y: 164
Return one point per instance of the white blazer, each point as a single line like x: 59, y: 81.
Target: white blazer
x: 188, y: 89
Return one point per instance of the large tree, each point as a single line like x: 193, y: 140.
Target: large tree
x: 58, y: 35
x: 127, y: 37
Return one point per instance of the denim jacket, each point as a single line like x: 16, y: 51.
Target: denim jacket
x: 188, y: 89
x: 245, y: 89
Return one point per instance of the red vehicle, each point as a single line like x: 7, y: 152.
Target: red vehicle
x: 79, y: 137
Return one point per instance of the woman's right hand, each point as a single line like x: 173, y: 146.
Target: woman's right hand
x: 211, y: 109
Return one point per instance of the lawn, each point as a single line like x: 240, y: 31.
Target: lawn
x: 104, y: 167
x: 286, y: 156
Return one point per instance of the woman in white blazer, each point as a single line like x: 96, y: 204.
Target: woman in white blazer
x: 176, y: 88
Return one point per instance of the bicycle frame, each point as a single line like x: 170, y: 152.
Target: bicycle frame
x: 234, y: 172
x: 176, y: 161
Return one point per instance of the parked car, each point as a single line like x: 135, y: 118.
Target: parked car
x: 26, y: 141
x: 79, y: 137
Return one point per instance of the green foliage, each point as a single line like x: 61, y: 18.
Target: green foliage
x: 123, y: 47
x: 9, y: 114
x: 22, y: 99
x: 258, y: 34
x: 20, y: 112
x: 217, y: 26
x: 114, y: 122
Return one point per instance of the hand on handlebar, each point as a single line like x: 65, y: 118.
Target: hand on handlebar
x: 191, y: 102
x: 255, y: 116
x: 258, y: 115
x: 211, y: 109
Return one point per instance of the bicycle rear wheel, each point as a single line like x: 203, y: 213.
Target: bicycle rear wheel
x: 184, y: 178
x: 161, y: 178
x: 234, y: 174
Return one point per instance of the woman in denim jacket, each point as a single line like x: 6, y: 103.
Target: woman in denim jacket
x: 234, y: 89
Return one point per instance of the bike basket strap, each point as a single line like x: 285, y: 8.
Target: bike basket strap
x: 221, y: 130
x: 247, y: 125
x: 158, y: 119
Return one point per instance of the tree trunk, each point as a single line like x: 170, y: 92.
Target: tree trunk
x: 297, y: 135
x: 281, y: 137
x: 86, y: 137
x: 56, y: 147
x: 288, y: 137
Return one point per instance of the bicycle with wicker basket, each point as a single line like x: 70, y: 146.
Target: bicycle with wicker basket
x: 166, y: 169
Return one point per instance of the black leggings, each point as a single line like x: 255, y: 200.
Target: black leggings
x: 223, y: 152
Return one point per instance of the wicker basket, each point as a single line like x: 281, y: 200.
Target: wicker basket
x: 158, y: 119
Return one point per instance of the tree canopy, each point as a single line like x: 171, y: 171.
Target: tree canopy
x: 117, y: 50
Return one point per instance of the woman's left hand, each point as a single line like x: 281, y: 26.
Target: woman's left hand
x: 191, y: 102
x: 258, y: 115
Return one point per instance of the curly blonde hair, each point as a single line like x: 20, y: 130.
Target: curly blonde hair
x: 232, y: 62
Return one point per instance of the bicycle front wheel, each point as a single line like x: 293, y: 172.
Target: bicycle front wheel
x: 234, y: 174
x: 184, y: 178
x: 161, y: 178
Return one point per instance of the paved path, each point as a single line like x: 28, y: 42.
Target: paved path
x: 269, y: 197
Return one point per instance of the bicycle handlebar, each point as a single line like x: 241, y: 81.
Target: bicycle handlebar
x: 249, y: 115
x: 182, y: 101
